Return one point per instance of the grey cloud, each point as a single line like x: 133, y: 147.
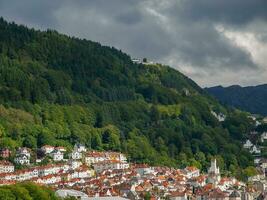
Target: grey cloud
x: 229, y: 11
x: 182, y: 31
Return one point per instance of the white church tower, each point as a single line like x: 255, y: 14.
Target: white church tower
x: 214, y: 173
x: 213, y: 167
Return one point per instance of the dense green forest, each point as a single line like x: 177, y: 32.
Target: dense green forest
x: 251, y: 98
x: 60, y: 90
x: 26, y: 191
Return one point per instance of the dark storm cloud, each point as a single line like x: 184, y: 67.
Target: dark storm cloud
x: 230, y: 11
x: 183, y: 33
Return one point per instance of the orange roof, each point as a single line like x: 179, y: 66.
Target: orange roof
x: 191, y: 168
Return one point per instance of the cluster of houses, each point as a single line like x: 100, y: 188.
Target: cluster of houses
x: 96, y: 174
x: 139, y: 180
x: 79, y: 164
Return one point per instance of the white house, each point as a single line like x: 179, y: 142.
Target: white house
x: 94, y: 157
x: 49, y: 169
x: 255, y: 150
x: 248, y: 144
x: 116, y: 156
x: 136, y: 61
x: 191, y: 172
x: 81, y: 172
x: 22, y: 159
x: 75, y: 154
x: 143, y: 169
x: 6, y: 167
x: 109, y: 165
x: 24, y: 151
x: 47, y: 149
x: 220, y: 117
x: 57, y: 155
x: 49, y: 179
x: 80, y: 148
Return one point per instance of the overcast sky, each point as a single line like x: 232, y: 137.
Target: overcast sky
x: 214, y: 42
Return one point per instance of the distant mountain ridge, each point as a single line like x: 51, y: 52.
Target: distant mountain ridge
x: 251, y: 98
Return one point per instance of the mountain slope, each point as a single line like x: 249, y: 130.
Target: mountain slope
x: 59, y: 90
x: 251, y: 99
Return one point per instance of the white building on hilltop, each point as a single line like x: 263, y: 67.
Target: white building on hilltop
x: 214, y: 173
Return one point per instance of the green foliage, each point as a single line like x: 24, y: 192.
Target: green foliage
x: 59, y: 90
x: 26, y: 191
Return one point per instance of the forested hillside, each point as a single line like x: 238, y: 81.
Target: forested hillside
x: 251, y: 99
x: 59, y: 90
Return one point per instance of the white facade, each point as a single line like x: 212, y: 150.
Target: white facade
x: 91, y: 159
x: 80, y: 148
x: 248, y: 144
x: 76, y: 155
x: 24, y: 151
x: 192, y: 172
x: 6, y: 167
x: 255, y: 150
x: 57, y: 155
x: 109, y: 165
x: 220, y: 117
x: 22, y: 160
x: 95, y: 157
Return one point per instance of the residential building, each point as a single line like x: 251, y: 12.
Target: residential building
x: 57, y: 155
x: 75, y: 154
x: 94, y: 157
x: 24, y: 151
x: 6, y: 167
x: 80, y: 147
x: 191, y: 172
x: 109, y: 165
x: 248, y: 144
x: 22, y: 159
x: 255, y: 150
x: 47, y: 149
